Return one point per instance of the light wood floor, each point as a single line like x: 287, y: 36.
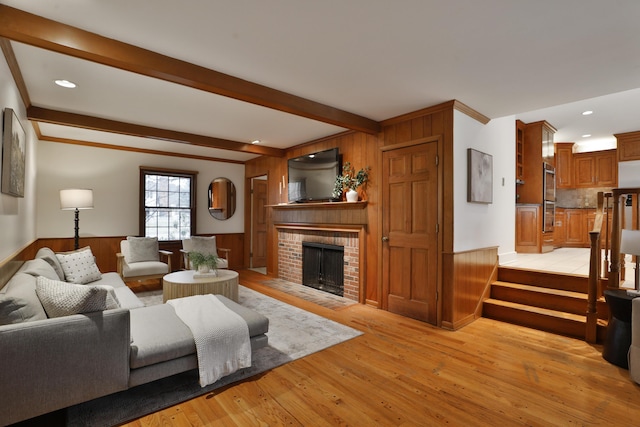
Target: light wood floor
x: 405, y: 372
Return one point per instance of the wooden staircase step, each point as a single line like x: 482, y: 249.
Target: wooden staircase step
x: 569, y: 324
x: 553, y: 299
x: 544, y: 279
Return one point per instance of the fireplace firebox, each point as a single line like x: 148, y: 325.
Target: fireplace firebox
x: 323, y: 267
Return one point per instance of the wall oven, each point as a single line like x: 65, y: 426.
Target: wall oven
x: 549, y: 182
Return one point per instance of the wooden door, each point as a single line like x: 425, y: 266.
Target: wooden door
x: 259, y: 223
x: 410, y: 243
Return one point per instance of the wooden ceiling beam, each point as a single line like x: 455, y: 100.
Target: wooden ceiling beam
x: 45, y: 115
x: 47, y: 34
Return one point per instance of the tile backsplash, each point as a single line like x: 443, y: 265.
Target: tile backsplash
x: 578, y: 197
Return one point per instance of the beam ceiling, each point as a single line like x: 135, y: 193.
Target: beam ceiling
x: 47, y: 34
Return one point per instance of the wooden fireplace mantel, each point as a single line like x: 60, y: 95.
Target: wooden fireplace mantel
x: 351, y: 213
x: 321, y: 205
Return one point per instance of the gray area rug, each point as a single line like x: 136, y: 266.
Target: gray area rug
x: 293, y: 334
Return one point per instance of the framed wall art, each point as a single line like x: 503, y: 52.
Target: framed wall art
x: 14, y: 142
x: 480, y: 177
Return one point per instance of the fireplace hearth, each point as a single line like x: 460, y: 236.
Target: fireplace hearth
x: 323, y: 267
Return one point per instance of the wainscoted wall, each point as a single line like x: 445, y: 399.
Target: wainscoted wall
x: 470, y: 275
x: 106, y: 248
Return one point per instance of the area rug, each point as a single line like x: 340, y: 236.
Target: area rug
x: 293, y: 334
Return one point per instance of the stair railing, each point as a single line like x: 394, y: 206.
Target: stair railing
x: 618, y: 221
x: 594, y: 289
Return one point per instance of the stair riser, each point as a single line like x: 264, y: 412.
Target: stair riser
x: 538, y: 321
x: 542, y: 279
x: 552, y: 302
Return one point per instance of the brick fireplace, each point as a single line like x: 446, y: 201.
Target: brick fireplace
x: 290, y: 254
x: 338, y: 223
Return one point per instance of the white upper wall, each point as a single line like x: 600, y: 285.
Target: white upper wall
x: 479, y: 225
x: 114, y: 176
x: 17, y: 214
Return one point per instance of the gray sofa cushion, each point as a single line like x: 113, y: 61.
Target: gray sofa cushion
x: 39, y: 267
x: 158, y: 335
x: 19, y: 301
x: 126, y: 297
x: 258, y: 324
x: 50, y: 256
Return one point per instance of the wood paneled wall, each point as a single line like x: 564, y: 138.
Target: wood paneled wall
x: 106, y: 248
x: 365, y: 150
x: 471, y: 274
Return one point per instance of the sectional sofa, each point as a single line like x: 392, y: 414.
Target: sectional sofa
x: 52, y: 358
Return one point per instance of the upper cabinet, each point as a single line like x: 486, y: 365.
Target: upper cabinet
x: 537, y: 149
x: 596, y: 169
x: 519, y: 150
x: 564, y: 165
x: 583, y: 170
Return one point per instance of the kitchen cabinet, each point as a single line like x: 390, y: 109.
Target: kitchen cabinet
x: 578, y: 224
x: 596, y: 169
x: 564, y: 165
x: 519, y: 150
x: 529, y: 235
x: 537, y: 149
x: 575, y: 228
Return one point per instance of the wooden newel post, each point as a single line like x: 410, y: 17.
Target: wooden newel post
x: 616, y: 227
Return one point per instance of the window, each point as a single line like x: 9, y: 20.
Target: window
x: 167, y: 204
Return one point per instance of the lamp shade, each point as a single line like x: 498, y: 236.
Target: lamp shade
x: 630, y: 242
x: 76, y: 198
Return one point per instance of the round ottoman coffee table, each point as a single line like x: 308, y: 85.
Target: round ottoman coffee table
x: 183, y: 284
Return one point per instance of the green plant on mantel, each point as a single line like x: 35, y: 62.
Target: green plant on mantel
x: 197, y: 259
x: 350, y: 179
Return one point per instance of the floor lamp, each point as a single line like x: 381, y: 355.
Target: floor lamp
x: 630, y: 244
x: 76, y: 199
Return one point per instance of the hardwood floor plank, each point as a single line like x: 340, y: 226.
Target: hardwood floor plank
x: 405, y: 372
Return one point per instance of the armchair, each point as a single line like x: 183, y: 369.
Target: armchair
x: 204, y: 245
x: 140, y: 259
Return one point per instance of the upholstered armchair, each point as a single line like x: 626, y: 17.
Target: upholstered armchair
x: 206, y: 246
x: 140, y: 259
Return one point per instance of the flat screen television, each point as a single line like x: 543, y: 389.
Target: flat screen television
x: 313, y: 176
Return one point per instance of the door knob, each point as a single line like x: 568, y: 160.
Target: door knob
x: 385, y: 238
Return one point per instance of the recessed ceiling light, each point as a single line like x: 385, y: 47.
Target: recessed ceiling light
x: 65, y: 83
x: 586, y: 135
x: 586, y: 113
x: 255, y: 141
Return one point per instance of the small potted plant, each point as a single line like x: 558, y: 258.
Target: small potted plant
x: 203, y: 263
x: 349, y: 181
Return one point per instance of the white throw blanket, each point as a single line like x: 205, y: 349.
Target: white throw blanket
x: 221, y: 336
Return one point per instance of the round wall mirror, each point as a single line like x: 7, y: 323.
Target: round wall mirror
x: 222, y: 198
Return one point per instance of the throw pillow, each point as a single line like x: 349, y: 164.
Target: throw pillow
x: 79, y: 266
x: 19, y: 302
x: 64, y: 299
x: 50, y: 256
x: 143, y: 249
x: 204, y: 245
x: 39, y: 267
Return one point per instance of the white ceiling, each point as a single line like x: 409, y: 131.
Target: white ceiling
x: 538, y: 60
